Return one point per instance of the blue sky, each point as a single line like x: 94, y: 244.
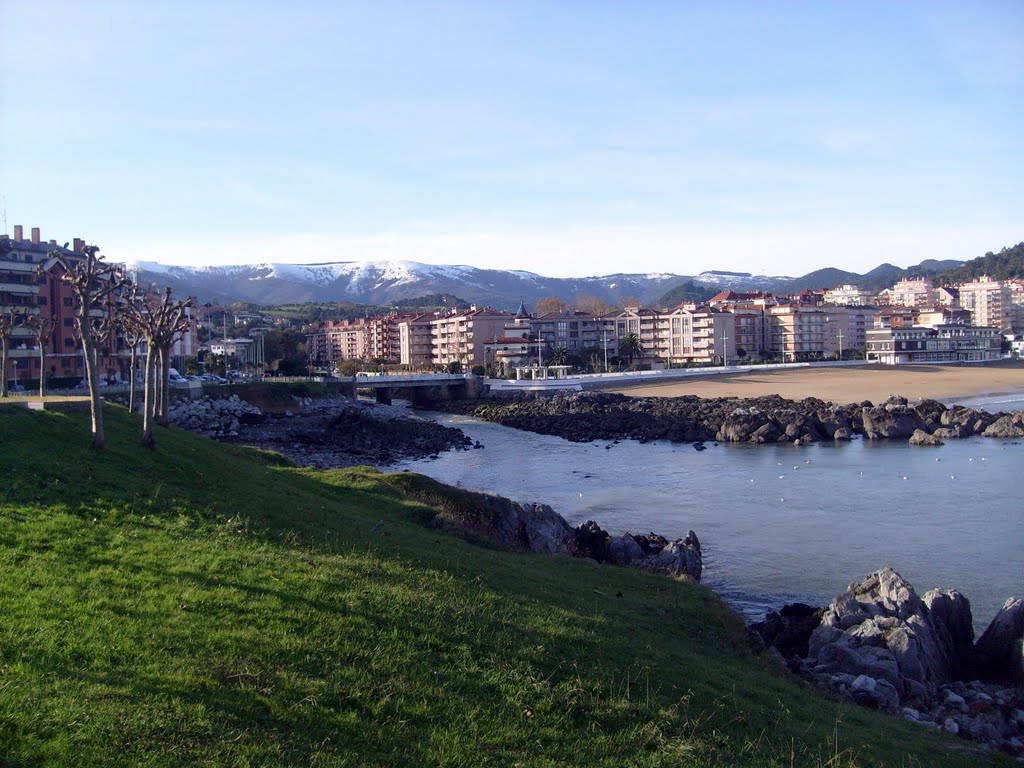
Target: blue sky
x: 565, y: 138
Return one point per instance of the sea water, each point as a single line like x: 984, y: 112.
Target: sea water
x: 777, y: 522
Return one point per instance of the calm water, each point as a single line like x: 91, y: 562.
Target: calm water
x: 778, y: 522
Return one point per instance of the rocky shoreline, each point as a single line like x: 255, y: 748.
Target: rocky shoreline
x: 880, y: 645
x: 588, y: 416
x: 326, y: 433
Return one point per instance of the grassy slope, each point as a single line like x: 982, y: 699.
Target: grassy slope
x: 207, y: 605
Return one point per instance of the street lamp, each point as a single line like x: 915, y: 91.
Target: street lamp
x: 725, y: 351
x: 605, y: 345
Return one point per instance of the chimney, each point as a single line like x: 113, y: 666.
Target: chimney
x: 78, y: 245
x: 18, y: 233
x: 53, y: 242
x: 35, y: 235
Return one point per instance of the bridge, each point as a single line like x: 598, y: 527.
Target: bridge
x: 419, y: 387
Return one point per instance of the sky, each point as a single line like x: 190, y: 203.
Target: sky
x: 561, y: 137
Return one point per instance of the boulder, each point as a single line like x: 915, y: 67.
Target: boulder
x: 890, y: 421
x: 920, y: 437
x: 997, y: 654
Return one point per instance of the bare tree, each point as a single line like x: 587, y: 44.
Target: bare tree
x: 161, y: 321
x: 9, y: 320
x: 42, y: 328
x: 92, y: 280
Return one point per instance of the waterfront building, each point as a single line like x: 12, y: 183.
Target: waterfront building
x: 797, y: 332
x: 941, y: 344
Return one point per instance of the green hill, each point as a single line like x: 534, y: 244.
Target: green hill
x: 1008, y: 263
x: 202, y: 604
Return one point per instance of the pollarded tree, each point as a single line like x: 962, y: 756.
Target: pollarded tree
x: 94, y: 282
x: 161, y: 321
x: 42, y: 327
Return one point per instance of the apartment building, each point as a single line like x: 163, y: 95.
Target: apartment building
x: 941, y: 344
x: 988, y: 301
x: 459, y: 337
x: 573, y: 330
x: 797, y: 332
x: 917, y: 292
x: 845, y: 329
x: 24, y: 290
x: 415, y: 340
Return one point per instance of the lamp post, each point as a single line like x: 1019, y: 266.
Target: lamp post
x: 725, y: 351
x: 605, y: 345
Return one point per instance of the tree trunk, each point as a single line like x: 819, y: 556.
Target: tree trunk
x: 42, y: 368
x: 149, y: 400
x: 99, y: 440
x: 164, y: 383
x: 3, y: 366
x: 131, y: 379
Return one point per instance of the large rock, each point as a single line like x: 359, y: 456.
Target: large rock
x: 997, y: 654
x: 920, y: 437
x: 890, y: 421
x: 882, y: 629
x: 950, y: 614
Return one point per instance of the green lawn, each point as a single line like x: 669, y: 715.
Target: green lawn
x: 202, y: 604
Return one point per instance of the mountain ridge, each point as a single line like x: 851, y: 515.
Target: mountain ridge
x: 385, y: 282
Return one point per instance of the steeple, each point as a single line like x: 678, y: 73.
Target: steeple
x: 521, y: 313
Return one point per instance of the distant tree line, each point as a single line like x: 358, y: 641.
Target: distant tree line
x: 1005, y: 265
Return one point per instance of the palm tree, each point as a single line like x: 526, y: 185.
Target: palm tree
x: 559, y: 355
x: 630, y: 347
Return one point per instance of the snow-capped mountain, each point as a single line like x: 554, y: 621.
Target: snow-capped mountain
x: 744, y: 281
x: 384, y: 282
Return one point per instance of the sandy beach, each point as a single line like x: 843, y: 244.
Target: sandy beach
x: 846, y: 385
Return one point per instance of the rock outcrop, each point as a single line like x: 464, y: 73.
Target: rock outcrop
x: 586, y: 416
x: 880, y: 645
x: 509, y: 524
x: 881, y: 628
x: 650, y: 552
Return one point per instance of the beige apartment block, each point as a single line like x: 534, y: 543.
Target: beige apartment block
x: 460, y: 337
x: 989, y: 303
x: 415, y: 340
x: 917, y: 292
x: 797, y: 332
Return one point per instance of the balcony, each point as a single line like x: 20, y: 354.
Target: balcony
x: 21, y: 289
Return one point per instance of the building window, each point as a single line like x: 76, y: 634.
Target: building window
x: 68, y: 301
x: 41, y: 301
x: 68, y: 322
